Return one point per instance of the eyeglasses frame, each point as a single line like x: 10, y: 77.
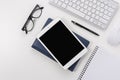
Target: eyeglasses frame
x: 30, y: 18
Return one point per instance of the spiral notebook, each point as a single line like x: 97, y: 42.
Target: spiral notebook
x: 101, y: 65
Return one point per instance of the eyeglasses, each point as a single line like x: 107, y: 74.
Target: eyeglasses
x: 29, y: 24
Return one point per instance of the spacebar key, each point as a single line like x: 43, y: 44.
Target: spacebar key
x: 75, y: 11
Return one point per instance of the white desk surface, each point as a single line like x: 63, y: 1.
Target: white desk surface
x: 18, y: 61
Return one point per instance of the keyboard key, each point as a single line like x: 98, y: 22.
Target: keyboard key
x: 95, y: 22
x: 74, y: 5
x: 102, y: 10
x: 87, y: 17
x: 89, y: 13
x: 94, y: 1
x: 101, y: 14
x: 106, y: 7
x: 111, y: 10
x: 102, y: 5
x: 90, y: 4
x: 98, y: 8
x: 91, y: 20
x: 103, y: 20
x: 89, y: 8
x: 106, y: 17
x: 59, y: 3
x: 81, y: 9
x: 94, y: 6
x: 106, y: 12
x: 64, y: 5
x: 93, y: 15
x: 97, y: 12
x: 86, y: 2
x: 81, y: 4
x: 109, y: 14
x: 78, y: 2
x: 99, y: 23
x: 78, y: 7
x: 93, y: 10
x: 85, y: 6
x: 70, y: 4
x: 66, y: 1
x: 85, y: 11
x: 82, y: 0
x: 74, y: 1
x: 103, y: 26
x: 55, y: 1
x: 98, y: 3
x: 62, y: 0
x: 97, y: 17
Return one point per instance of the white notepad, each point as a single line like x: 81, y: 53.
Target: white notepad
x: 101, y: 66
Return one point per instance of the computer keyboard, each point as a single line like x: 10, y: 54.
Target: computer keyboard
x: 97, y: 12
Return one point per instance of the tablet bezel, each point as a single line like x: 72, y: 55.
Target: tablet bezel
x: 74, y: 59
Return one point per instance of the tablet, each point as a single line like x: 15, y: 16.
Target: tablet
x: 61, y: 43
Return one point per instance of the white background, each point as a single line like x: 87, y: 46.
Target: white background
x: 18, y: 61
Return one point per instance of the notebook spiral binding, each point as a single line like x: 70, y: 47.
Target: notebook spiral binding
x: 88, y: 62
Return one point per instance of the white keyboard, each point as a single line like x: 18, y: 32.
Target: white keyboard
x: 97, y: 12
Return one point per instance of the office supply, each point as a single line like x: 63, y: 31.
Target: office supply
x: 101, y: 65
x: 97, y: 12
x: 29, y: 24
x: 60, y: 41
x: 85, y: 28
x: 38, y: 46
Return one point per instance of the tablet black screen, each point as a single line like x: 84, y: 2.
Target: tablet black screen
x: 62, y: 44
